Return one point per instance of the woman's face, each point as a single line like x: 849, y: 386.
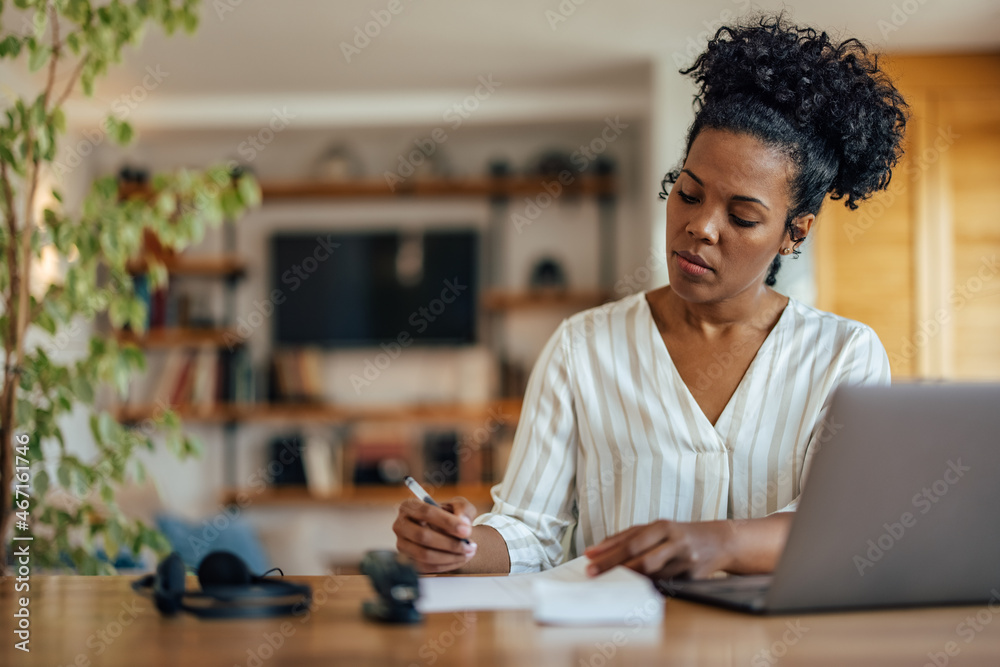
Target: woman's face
x: 726, y: 216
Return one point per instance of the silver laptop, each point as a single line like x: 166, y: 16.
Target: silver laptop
x: 901, y: 507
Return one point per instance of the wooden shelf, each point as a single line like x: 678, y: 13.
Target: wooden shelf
x: 462, y: 186
x: 473, y: 186
x: 477, y: 494
x: 508, y: 409
x: 208, y: 266
x: 180, y: 337
x: 520, y: 300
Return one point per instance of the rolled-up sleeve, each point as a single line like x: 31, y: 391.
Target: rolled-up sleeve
x: 864, y: 362
x: 534, y: 505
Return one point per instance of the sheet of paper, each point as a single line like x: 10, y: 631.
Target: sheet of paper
x: 562, y: 595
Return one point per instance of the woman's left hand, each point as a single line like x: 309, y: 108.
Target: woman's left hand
x: 665, y: 549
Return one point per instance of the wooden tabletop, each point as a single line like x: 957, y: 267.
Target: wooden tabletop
x: 83, y: 621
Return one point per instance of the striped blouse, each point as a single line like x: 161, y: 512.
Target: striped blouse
x: 611, y: 437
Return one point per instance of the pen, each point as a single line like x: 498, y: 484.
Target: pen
x: 419, y: 492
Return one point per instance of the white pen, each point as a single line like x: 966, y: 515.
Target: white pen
x: 419, y: 492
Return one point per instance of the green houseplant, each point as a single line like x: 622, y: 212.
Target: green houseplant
x: 73, y: 42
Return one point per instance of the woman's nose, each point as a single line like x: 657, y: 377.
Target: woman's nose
x: 704, y: 224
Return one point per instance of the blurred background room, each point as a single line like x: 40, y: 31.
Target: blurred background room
x: 442, y: 183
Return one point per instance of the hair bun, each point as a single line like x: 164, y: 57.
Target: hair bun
x: 832, y: 93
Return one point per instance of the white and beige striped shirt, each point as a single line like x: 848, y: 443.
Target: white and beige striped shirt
x: 611, y: 437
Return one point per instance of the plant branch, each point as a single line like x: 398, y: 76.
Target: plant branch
x: 53, y: 59
x: 11, y: 215
x: 73, y: 78
x: 32, y: 161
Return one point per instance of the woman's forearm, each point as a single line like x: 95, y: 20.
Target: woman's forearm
x: 491, y: 556
x: 755, y: 545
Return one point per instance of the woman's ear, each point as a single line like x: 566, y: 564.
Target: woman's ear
x: 802, y: 224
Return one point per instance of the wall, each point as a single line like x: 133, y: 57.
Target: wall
x: 917, y: 262
x: 566, y: 230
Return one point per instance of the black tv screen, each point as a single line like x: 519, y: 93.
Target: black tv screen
x: 352, y: 289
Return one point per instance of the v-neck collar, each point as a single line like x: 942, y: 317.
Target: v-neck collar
x: 686, y: 394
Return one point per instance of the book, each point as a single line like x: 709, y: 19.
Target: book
x: 181, y: 392
x: 172, y: 367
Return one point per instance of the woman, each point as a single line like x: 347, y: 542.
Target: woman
x: 671, y: 431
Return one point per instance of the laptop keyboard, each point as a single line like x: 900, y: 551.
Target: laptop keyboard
x: 749, y: 591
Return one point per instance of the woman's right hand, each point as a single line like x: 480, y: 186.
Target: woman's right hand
x: 432, y: 536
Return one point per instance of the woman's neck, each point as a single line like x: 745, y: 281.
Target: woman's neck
x: 757, y: 310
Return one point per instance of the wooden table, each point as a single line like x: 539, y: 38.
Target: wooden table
x: 84, y: 621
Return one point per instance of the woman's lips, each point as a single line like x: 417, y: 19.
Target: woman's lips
x: 689, y: 267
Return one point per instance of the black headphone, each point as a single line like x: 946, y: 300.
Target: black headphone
x: 228, y: 589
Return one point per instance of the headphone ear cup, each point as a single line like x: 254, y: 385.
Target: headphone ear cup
x: 168, y: 588
x: 223, y: 568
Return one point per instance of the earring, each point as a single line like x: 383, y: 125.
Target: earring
x: 786, y: 251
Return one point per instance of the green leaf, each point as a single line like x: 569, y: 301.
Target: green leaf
x: 63, y: 475
x: 95, y: 429
x: 59, y: 124
x: 120, y: 130
x: 83, y: 388
x: 105, y: 427
x: 11, y: 46
x: 40, y: 482
x: 249, y: 191
x: 6, y: 155
x: 24, y: 413
x: 38, y: 56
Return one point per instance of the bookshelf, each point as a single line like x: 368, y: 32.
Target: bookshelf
x: 168, y: 337
x: 362, y: 495
x: 508, y: 300
x: 213, y: 266
x: 476, y: 186
x: 228, y: 266
x: 277, y: 413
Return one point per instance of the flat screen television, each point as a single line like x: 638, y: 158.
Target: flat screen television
x: 364, y: 288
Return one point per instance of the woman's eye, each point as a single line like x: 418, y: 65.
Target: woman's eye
x: 686, y: 198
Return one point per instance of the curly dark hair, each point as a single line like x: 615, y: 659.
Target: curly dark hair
x: 827, y: 106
